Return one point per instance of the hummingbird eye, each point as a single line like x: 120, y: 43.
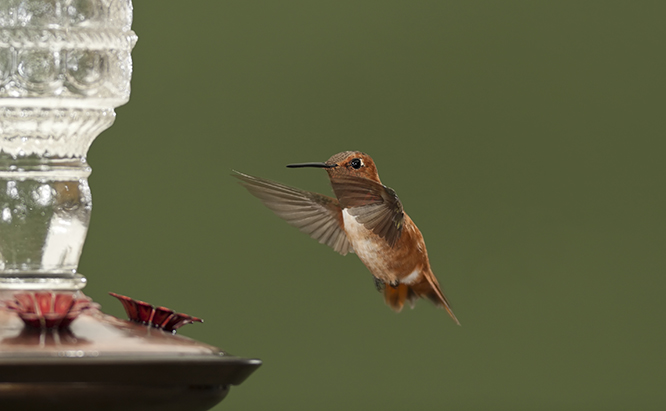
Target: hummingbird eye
x: 356, y: 163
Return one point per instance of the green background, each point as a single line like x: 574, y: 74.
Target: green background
x: 525, y: 138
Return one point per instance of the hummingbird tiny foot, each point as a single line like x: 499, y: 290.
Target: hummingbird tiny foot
x: 379, y: 284
x: 394, y: 284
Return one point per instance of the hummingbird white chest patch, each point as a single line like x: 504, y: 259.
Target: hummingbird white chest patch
x: 368, y: 247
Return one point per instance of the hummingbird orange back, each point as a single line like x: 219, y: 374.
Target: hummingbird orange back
x: 366, y: 218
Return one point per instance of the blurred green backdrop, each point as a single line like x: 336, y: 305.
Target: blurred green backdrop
x: 525, y: 138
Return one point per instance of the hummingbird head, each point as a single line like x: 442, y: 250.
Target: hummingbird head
x: 347, y: 163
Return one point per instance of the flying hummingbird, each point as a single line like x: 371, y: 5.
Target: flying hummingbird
x: 365, y: 218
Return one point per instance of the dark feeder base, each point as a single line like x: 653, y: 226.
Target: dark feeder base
x: 108, y: 397
x: 103, y: 363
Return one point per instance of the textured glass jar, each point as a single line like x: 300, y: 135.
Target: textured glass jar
x: 64, y: 66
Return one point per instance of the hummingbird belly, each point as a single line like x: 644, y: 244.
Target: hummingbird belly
x: 375, y: 252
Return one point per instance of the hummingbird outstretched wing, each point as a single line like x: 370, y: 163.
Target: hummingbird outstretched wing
x: 318, y: 215
x: 373, y: 204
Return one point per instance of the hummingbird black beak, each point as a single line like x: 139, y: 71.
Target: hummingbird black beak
x: 318, y: 165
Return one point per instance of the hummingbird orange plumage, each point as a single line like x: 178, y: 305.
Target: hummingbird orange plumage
x: 366, y: 218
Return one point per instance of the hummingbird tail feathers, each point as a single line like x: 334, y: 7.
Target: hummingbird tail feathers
x: 426, y: 288
x: 395, y: 296
x: 432, y: 291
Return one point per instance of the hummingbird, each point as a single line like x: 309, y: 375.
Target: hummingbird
x: 365, y: 218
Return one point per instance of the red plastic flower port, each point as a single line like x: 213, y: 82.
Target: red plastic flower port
x: 159, y: 317
x: 48, y: 309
